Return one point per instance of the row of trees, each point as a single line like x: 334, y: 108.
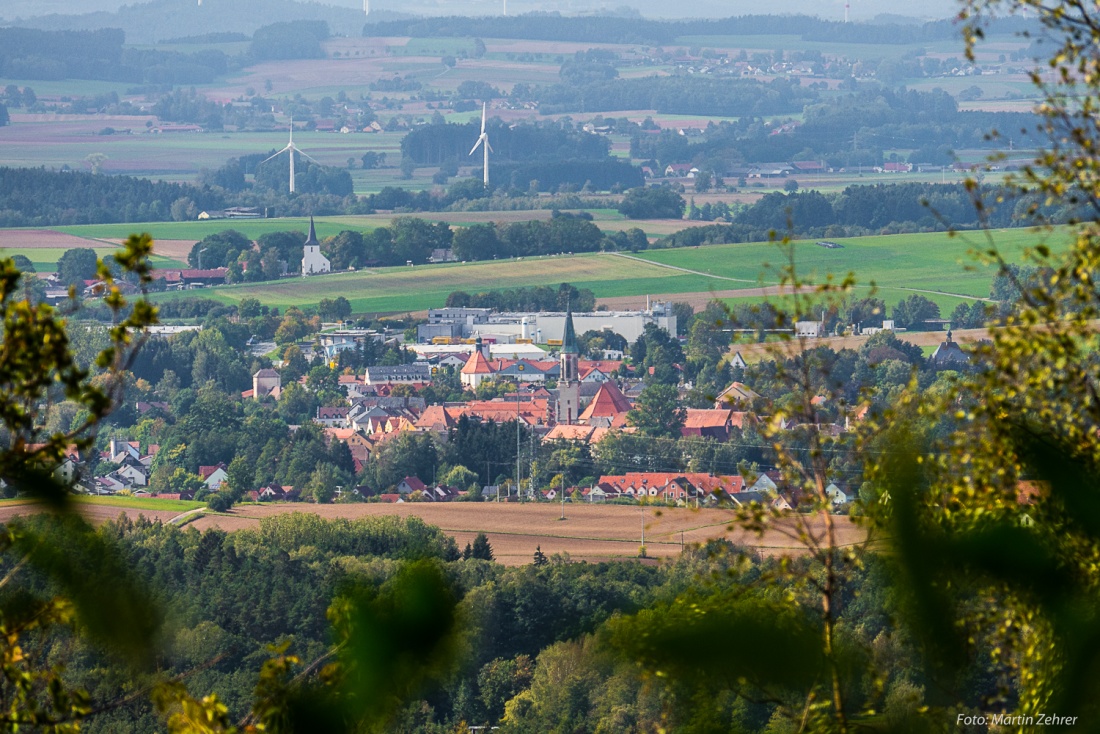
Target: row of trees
x: 27, y: 53
x: 630, y: 30
x: 860, y: 210
x: 850, y: 129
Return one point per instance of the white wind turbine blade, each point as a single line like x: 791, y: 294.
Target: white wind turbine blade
x: 306, y: 155
x: 483, y: 118
x: 476, y: 144
x: 489, y: 147
x: 265, y: 160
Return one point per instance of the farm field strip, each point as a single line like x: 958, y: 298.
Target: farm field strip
x: 402, y: 289
x: 590, y: 532
x: 922, y: 262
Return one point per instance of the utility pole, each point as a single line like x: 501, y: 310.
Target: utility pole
x: 561, y: 488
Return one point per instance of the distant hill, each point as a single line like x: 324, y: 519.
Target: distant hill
x: 162, y: 19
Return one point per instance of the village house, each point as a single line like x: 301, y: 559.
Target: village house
x: 213, y: 476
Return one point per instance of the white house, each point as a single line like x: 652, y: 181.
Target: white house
x: 132, y: 474
x: 313, y: 262
x: 837, y: 496
x: 213, y: 476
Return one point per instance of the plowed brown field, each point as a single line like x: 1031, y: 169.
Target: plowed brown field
x: 589, y: 532
x: 93, y: 513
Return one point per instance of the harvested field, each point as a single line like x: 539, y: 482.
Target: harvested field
x: 174, y: 249
x: 27, y: 239
x: 94, y: 513
x: 590, y: 532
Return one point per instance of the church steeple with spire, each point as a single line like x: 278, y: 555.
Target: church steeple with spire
x: 312, y: 238
x: 569, y: 386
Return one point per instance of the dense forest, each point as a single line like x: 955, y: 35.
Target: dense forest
x: 693, y: 95
x: 431, y: 145
x: 27, y: 53
x: 33, y: 54
x: 848, y: 130
x: 529, y: 634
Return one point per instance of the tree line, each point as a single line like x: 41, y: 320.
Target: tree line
x: 876, y: 209
x: 686, y: 95
x: 27, y: 53
x: 552, y: 26
x: 846, y: 130
x: 431, y: 145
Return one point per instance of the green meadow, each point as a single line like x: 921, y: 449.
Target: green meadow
x: 251, y: 228
x: 140, y: 503
x: 938, y: 266
x: 939, y: 263
x: 45, y: 259
x: 402, y: 289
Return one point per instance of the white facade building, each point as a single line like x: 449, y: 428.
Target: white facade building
x: 313, y: 262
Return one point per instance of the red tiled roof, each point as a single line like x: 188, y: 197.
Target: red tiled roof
x: 707, y: 418
x: 206, y: 471
x: 608, y: 403
x: 566, y: 432
x: 477, y: 364
x: 701, y: 480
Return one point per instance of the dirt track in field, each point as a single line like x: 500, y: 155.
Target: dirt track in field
x: 590, y: 532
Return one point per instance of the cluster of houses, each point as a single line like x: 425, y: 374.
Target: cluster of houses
x: 698, y: 489
x: 131, y: 475
x: 589, y: 400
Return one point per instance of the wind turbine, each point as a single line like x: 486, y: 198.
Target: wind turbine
x: 293, y: 149
x: 483, y: 140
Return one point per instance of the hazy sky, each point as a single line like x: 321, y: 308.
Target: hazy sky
x: 832, y: 9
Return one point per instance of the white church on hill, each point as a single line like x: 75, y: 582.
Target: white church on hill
x: 313, y: 262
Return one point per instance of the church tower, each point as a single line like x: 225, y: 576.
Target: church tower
x: 313, y: 261
x: 569, y: 385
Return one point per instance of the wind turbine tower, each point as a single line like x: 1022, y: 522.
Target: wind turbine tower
x: 366, y: 7
x: 483, y: 141
x: 845, y: 12
x: 292, y: 149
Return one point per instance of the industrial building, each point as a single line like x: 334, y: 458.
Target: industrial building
x: 540, y: 328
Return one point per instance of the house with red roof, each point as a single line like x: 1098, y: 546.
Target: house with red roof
x: 671, y: 486
x: 408, y: 485
x: 476, y: 370
x: 713, y: 423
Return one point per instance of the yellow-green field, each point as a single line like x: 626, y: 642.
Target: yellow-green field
x: 935, y: 265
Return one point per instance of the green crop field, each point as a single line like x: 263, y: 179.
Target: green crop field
x: 45, y: 259
x: 141, y: 503
x: 251, y: 228
x: 932, y: 264
x: 401, y: 289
